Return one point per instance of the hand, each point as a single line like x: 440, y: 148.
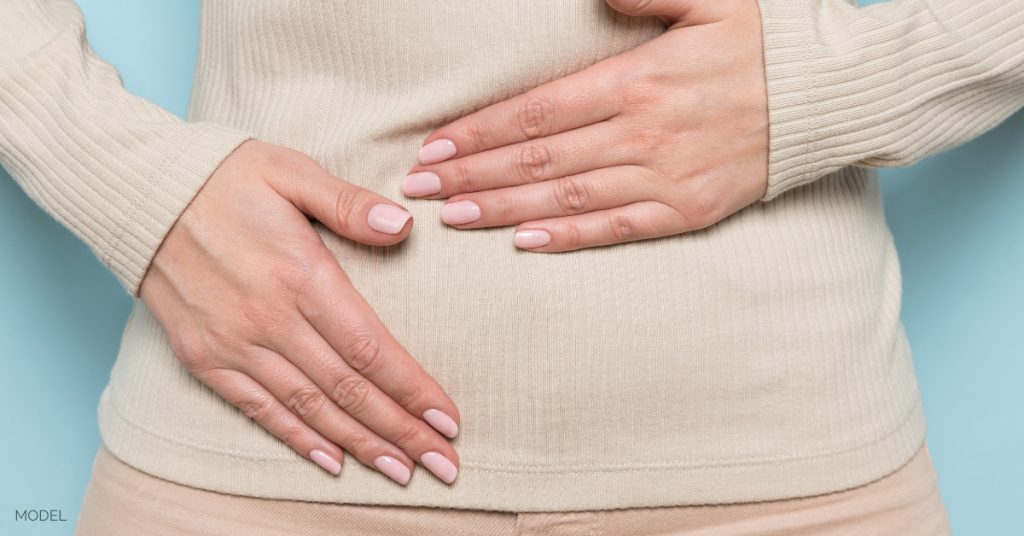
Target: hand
x: 669, y: 137
x: 258, y: 309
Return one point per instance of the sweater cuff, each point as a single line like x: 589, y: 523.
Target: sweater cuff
x: 884, y: 85
x: 193, y: 154
x: 113, y: 168
x: 794, y: 108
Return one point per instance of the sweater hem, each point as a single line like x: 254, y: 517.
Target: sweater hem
x: 482, y: 488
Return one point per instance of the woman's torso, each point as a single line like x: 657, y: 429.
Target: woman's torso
x: 760, y: 358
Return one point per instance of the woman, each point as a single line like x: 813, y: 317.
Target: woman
x: 734, y: 363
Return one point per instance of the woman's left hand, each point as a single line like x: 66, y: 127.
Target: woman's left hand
x: 669, y: 137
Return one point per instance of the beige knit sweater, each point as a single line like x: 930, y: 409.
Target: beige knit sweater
x: 761, y: 358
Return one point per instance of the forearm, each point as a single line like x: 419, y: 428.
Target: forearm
x: 885, y: 85
x: 112, y: 167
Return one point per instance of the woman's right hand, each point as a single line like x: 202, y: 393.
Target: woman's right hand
x: 258, y: 309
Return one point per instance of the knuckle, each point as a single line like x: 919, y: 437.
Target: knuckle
x: 306, y: 401
x: 703, y: 208
x: 461, y: 179
x: 622, y: 228
x: 638, y: 85
x: 363, y: 353
x: 629, y: 6
x: 572, y: 195
x: 288, y: 276
x: 261, y: 322
x: 350, y: 392
x: 634, y: 94
x: 665, y: 179
x: 532, y: 162
x: 346, y: 201
x: 474, y: 135
x: 638, y: 5
x: 502, y: 208
x: 409, y: 433
x: 286, y: 161
x: 534, y: 116
x: 192, y: 350
x: 256, y: 408
x: 571, y: 236
x: 643, y: 138
x: 308, y: 279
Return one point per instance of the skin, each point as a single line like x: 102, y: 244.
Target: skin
x: 666, y: 138
x: 258, y: 309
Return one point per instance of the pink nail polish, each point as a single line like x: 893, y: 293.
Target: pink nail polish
x: 325, y: 461
x: 395, y: 469
x: 441, y: 422
x: 532, y: 239
x: 442, y: 467
x: 460, y: 212
x: 422, y: 183
x: 436, y: 151
x: 387, y: 218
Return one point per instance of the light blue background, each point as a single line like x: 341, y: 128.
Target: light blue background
x: 957, y: 218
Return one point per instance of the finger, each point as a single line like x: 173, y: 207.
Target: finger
x: 684, y: 12
x: 636, y: 221
x: 577, y: 100
x: 586, y: 192
x: 356, y: 333
x: 358, y: 336
x: 302, y: 397
x: 653, y: 8
x: 353, y: 212
x: 364, y: 401
x: 566, y: 153
x: 258, y: 404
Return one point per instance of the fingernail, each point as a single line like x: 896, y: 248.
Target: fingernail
x: 442, y: 467
x: 532, y: 239
x: 387, y: 218
x: 422, y: 183
x: 460, y: 212
x: 436, y: 151
x: 395, y: 469
x: 326, y: 461
x: 441, y: 422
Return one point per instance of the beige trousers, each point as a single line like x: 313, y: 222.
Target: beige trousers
x: 121, y: 500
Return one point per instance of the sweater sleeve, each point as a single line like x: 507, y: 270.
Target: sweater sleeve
x: 112, y: 167
x: 884, y: 85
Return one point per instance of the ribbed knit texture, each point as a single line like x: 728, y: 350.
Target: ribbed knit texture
x: 885, y: 85
x: 761, y: 358
x: 110, y: 166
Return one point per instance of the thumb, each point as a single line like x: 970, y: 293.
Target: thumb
x: 671, y: 12
x: 349, y: 210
